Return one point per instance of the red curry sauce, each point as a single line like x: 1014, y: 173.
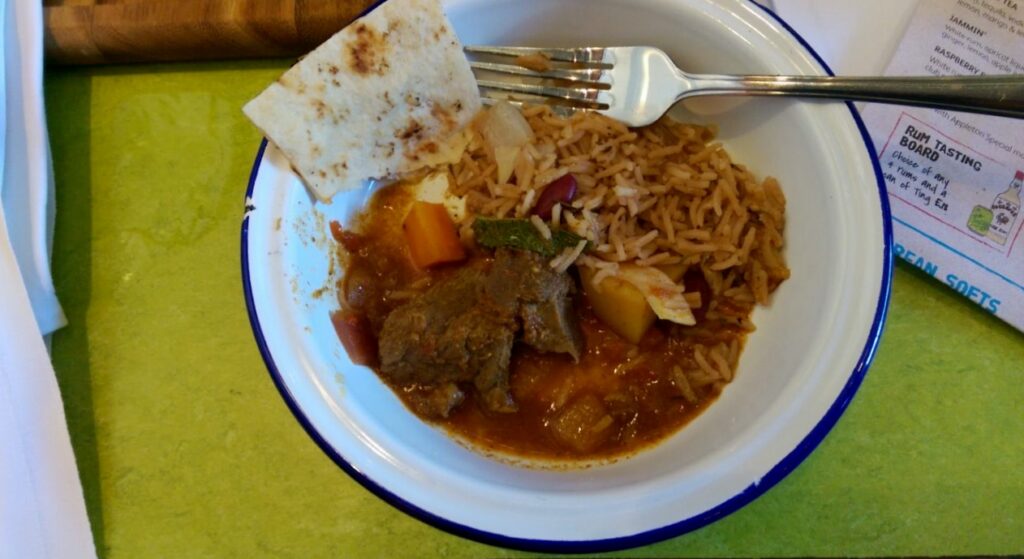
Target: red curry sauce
x: 614, y: 379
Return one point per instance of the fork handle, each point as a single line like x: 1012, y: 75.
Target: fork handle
x: 1001, y: 95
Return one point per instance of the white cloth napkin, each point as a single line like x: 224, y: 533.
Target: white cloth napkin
x: 42, y: 510
x: 26, y: 188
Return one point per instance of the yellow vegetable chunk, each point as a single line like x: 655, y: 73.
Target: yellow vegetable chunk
x: 620, y: 305
x: 583, y: 425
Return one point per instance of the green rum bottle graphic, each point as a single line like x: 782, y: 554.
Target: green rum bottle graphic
x: 1005, y: 210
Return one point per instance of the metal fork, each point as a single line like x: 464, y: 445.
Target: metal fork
x: 636, y: 85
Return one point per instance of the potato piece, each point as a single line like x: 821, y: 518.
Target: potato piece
x: 620, y: 305
x: 584, y: 424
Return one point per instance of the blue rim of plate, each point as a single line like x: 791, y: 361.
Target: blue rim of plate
x: 727, y: 507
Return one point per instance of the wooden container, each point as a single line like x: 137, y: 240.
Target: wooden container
x: 116, y: 31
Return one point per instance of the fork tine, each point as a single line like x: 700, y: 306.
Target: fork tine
x: 569, y: 94
x: 560, y: 110
x: 594, y: 55
x: 589, y: 75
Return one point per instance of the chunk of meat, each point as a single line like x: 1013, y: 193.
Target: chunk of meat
x: 450, y: 333
x: 463, y: 328
x: 438, y: 401
x: 492, y: 379
x: 550, y: 326
x: 544, y: 300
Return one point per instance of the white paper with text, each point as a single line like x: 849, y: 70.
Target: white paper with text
x: 955, y: 179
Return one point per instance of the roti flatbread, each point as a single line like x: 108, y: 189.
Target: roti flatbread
x: 382, y: 97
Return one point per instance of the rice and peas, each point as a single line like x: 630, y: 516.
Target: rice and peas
x: 661, y: 195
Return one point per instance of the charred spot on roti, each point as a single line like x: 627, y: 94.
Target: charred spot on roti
x: 368, y: 51
x: 412, y: 131
x: 320, y: 107
x: 286, y: 81
x: 385, y: 150
x: 443, y: 116
x: 340, y: 169
x: 338, y: 116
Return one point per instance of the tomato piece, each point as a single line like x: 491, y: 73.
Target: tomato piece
x: 336, y: 230
x: 352, y: 242
x: 356, y: 337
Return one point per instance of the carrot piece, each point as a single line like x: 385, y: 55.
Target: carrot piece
x: 430, y: 234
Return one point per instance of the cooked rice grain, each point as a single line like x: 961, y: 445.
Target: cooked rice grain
x: 541, y: 227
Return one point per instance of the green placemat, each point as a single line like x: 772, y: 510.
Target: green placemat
x: 186, y: 450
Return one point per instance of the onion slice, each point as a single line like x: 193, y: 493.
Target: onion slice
x: 663, y: 295
x: 506, y: 131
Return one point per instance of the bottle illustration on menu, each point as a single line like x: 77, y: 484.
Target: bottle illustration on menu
x: 997, y: 221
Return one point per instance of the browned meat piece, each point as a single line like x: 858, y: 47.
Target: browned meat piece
x: 551, y: 326
x: 462, y: 329
x: 545, y: 300
x: 448, y: 334
x: 492, y: 380
x: 437, y: 402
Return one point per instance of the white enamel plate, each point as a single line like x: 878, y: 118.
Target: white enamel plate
x: 797, y: 374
